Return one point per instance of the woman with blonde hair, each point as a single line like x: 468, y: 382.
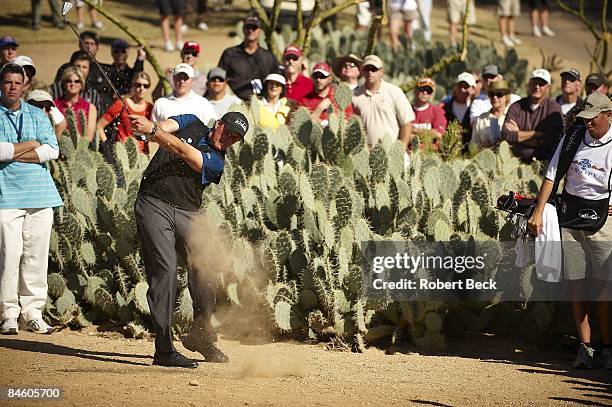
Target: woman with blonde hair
x: 72, y: 84
x: 136, y: 104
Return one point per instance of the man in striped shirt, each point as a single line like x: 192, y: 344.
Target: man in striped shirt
x: 27, y: 196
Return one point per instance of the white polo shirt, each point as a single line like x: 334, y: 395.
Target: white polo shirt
x: 191, y: 103
x: 589, y: 174
x: 383, y: 112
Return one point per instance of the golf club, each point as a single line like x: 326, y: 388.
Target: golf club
x: 65, y: 10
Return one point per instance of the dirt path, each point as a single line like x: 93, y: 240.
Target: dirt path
x: 97, y: 370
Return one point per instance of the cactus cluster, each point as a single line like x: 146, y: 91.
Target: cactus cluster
x: 295, y: 202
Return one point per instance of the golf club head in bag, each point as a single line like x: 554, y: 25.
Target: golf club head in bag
x: 519, y: 210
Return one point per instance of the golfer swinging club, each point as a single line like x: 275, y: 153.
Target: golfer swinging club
x: 169, y: 199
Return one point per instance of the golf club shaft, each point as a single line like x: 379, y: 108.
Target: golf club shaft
x: 98, y: 65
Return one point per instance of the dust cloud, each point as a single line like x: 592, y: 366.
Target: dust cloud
x: 267, y: 366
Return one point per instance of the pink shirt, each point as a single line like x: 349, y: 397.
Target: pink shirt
x: 430, y: 118
x: 80, y: 106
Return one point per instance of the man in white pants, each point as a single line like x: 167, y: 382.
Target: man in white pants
x: 27, y: 196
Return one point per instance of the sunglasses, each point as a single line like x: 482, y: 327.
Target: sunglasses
x: 371, y: 68
x: 347, y: 65
x: 251, y: 27
x: 568, y: 79
x: 425, y: 89
x: 217, y: 80
x: 499, y: 95
x: 291, y: 58
x: 142, y: 85
x: 191, y: 52
x: 72, y: 81
x: 319, y: 75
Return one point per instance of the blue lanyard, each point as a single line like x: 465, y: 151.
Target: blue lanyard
x: 19, y: 129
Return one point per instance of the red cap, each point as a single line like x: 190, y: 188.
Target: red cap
x: 191, y: 45
x: 293, y: 50
x: 322, y: 67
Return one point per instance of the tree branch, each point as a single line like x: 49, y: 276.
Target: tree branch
x: 305, y: 41
x: 300, y: 19
x: 580, y: 15
x: 334, y: 10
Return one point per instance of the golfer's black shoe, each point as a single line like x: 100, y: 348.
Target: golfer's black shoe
x: 174, y: 359
x: 210, y: 352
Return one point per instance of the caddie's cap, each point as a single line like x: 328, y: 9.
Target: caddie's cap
x: 7, y: 41
x: 596, y: 79
x: 40, y: 95
x: 571, y: 72
x: 426, y: 83
x: 540, y: 74
x: 490, y: 70
x: 467, y: 78
x: 184, y: 68
x: 594, y: 104
x: 236, y: 122
x: 26, y: 63
x: 373, y: 60
x: 217, y: 72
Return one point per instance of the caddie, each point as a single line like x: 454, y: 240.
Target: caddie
x: 169, y: 198
x: 584, y: 157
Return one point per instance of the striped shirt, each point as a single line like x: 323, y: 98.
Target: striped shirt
x: 26, y: 185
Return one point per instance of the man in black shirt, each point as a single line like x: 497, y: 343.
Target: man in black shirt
x: 168, y: 201
x: 119, y: 73
x: 248, y: 64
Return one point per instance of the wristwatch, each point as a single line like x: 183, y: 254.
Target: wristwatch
x: 153, y: 132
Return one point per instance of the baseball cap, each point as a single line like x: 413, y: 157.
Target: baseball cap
x: 373, y: 60
x: 26, y: 63
x: 237, y: 122
x: 490, y: 70
x: 594, y: 104
x: 252, y: 20
x: 540, y: 74
x: 7, y: 40
x: 184, y: 68
x: 292, y: 50
x: 217, y: 73
x: 119, y: 43
x: 571, y: 72
x: 596, y: 79
x: 322, y: 67
x: 467, y: 78
x: 426, y: 82
x: 40, y: 95
x: 191, y: 45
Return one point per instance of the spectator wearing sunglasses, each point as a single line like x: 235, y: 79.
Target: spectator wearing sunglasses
x: 486, y: 131
x: 319, y: 101
x: 73, y: 101
x: 490, y: 75
x: 427, y: 116
x: 298, y: 84
x: 216, y: 92
x: 189, y: 55
x: 43, y: 100
x: 136, y: 105
x: 383, y: 107
x: 247, y: 64
x: 571, y: 89
x: 348, y: 69
x: 119, y: 72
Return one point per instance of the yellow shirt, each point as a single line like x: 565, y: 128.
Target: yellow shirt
x: 272, y: 116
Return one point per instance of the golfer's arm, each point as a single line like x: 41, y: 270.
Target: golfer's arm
x: 191, y: 155
x: 543, y: 195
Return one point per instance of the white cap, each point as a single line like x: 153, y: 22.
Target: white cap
x: 24, y: 61
x: 276, y: 78
x: 184, y: 68
x: 541, y: 74
x: 467, y: 78
x: 40, y: 95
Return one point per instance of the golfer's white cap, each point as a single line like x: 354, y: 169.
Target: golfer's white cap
x: 184, y: 68
x: 541, y: 74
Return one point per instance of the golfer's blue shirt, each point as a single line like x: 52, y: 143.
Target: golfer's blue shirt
x: 213, y: 161
x: 26, y: 185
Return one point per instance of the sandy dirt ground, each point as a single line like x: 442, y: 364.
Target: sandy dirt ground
x: 102, y: 369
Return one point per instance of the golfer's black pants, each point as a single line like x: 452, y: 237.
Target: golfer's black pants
x: 163, y: 231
